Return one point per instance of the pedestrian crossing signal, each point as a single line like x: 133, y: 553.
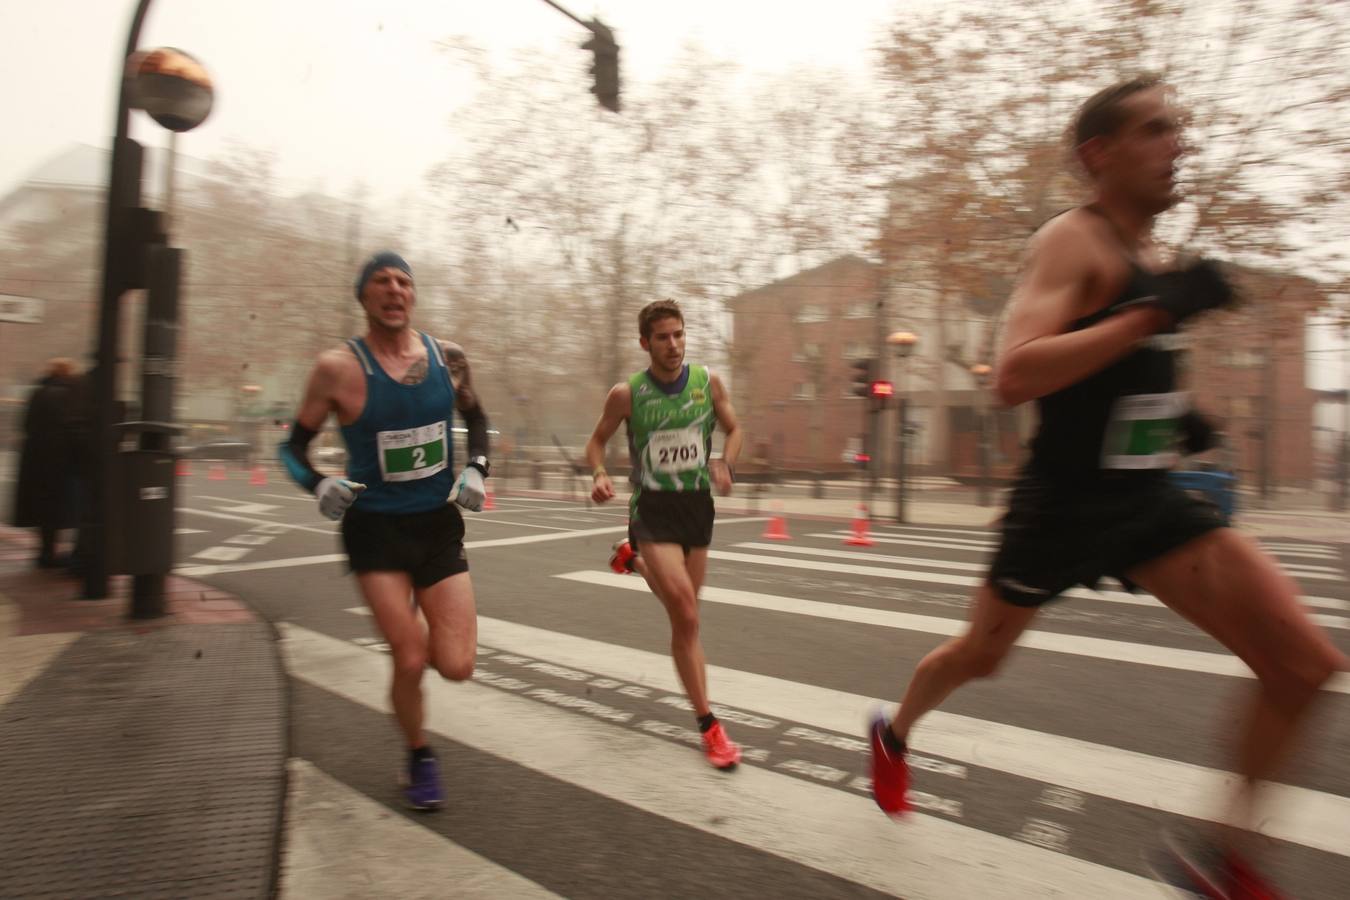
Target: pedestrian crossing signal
x: 881, y: 390
x: 863, y: 377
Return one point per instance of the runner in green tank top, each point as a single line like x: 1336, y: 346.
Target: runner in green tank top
x: 671, y: 410
x: 670, y: 435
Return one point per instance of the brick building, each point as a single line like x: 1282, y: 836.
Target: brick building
x: 797, y: 338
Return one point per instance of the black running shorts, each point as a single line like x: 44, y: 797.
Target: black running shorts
x: 672, y: 517
x: 429, y: 546
x: 1056, y: 536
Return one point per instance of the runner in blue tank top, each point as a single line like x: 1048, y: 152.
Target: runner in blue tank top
x: 394, y: 392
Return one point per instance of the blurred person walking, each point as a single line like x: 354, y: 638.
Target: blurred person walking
x: 46, y: 488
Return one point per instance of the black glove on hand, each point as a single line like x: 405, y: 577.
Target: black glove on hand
x: 1197, y: 434
x: 1187, y: 292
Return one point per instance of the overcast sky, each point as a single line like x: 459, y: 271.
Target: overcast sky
x: 355, y: 89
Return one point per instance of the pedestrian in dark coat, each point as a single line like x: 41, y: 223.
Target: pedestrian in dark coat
x: 45, y: 492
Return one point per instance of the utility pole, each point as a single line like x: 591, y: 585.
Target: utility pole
x: 176, y: 91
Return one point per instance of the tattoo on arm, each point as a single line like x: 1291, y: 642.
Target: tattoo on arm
x: 460, y: 375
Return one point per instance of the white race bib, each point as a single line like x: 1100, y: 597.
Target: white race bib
x: 412, y: 454
x: 1144, y: 431
x: 677, y: 450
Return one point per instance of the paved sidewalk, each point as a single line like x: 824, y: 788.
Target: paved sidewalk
x: 139, y: 759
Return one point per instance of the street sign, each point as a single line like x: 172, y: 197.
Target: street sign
x: 20, y: 309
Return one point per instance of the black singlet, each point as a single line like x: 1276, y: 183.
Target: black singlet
x: 1070, y: 445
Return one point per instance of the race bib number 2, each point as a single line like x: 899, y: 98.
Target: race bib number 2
x: 413, y: 453
x: 677, y: 450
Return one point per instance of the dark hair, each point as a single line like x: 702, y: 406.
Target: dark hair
x: 655, y: 311
x: 1103, y: 112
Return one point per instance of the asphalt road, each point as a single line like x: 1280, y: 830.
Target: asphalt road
x: 570, y: 759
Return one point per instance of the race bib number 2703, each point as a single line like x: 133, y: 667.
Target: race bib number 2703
x: 677, y: 450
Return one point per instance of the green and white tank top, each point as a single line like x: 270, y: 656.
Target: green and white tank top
x: 670, y: 431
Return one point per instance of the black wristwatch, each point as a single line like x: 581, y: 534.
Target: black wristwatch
x: 481, y: 464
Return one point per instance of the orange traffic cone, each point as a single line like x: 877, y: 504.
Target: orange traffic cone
x: 488, y: 502
x: 217, y: 472
x: 776, y: 530
x: 183, y: 469
x: 859, y: 536
x: 258, y: 477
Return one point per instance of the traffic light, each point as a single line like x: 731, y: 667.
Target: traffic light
x: 881, y: 390
x: 605, y: 68
x: 862, y: 377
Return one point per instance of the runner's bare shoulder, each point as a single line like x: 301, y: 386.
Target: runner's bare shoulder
x: 1060, y: 271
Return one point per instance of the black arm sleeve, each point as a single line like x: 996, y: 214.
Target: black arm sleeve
x: 476, y: 423
x: 294, y: 453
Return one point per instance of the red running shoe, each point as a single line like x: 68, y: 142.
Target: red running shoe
x: 890, y: 772
x: 721, y: 752
x: 623, y: 558
x: 1244, y: 882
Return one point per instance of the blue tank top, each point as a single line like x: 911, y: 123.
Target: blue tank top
x: 401, y: 445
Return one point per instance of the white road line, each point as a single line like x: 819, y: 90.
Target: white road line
x: 1303, y: 816
x: 1331, y: 621
x: 1079, y: 593
x: 482, y: 518
x: 983, y: 533
x: 1314, y: 573
x: 1299, y: 545
x: 1301, y: 554
x: 241, y: 507
x: 223, y: 554
x: 827, y: 829
x: 835, y: 553
x: 514, y: 499
x: 1054, y: 642
x: 293, y: 498
x: 325, y: 558
x: 211, y: 514
x: 334, y: 840
x: 188, y: 531
x: 962, y: 544
x: 970, y: 545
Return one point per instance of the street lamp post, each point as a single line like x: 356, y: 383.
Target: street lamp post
x: 902, y: 342
x: 174, y: 89
x: 981, y: 371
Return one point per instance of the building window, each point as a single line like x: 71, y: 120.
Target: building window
x: 806, y: 352
x: 1242, y: 359
x: 856, y: 350
x: 810, y: 313
x: 858, y: 309
x: 804, y: 390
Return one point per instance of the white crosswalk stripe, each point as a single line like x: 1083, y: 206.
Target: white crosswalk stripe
x: 1109, y: 596
x: 1055, y: 642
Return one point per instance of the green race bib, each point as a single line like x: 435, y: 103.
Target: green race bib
x: 412, y: 453
x: 1144, y: 431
